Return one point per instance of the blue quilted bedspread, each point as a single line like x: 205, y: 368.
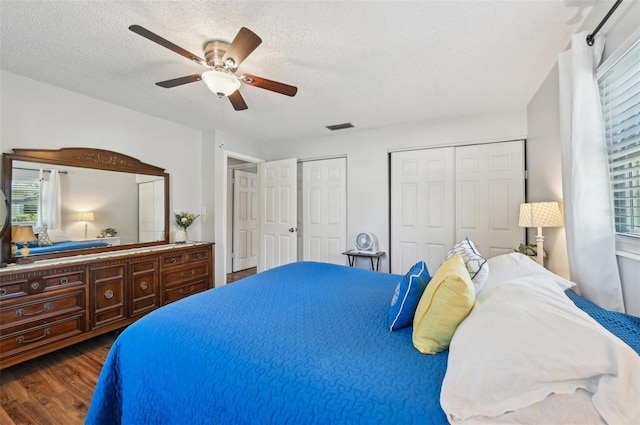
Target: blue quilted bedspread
x: 306, y: 343
x: 65, y: 246
x: 625, y: 327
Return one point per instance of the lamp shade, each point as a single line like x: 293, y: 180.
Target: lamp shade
x: 24, y: 234
x: 221, y: 82
x: 540, y: 214
x: 87, y: 216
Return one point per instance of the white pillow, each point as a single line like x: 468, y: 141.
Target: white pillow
x: 477, y: 265
x: 515, y: 265
x: 525, y: 340
x: 56, y: 236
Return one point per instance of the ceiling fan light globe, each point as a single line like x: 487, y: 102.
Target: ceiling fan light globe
x: 220, y: 82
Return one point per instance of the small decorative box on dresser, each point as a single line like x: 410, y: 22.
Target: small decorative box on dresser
x: 52, y: 304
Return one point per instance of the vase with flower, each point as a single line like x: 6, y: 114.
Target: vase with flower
x: 184, y: 220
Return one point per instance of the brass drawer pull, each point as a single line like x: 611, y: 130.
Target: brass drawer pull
x: 3, y: 291
x: 35, y: 285
x: 183, y: 274
x: 183, y: 292
x: 199, y: 255
x: 108, y: 294
x: 173, y: 261
x: 21, y: 340
x: 144, y: 285
x: 21, y: 312
x: 64, y: 281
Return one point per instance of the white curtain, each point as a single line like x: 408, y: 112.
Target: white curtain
x: 585, y: 179
x: 51, y: 201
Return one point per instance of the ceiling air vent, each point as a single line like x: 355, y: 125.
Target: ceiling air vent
x: 340, y: 126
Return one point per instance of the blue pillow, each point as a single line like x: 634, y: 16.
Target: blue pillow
x: 407, y: 295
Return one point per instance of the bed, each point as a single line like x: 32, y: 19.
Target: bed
x: 64, y: 246
x: 300, y: 344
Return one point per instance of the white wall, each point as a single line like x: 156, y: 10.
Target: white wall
x: 37, y: 115
x: 544, y: 182
x: 543, y: 147
x: 367, y: 160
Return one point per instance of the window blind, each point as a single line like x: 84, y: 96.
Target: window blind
x: 25, y: 199
x: 620, y: 97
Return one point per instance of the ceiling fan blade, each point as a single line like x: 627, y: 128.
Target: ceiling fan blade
x: 237, y: 101
x: 274, y: 86
x: 246, y: 41
x: 166, y: 43
x: 179, y: 81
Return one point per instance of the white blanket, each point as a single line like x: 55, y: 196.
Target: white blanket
x: 525, y: 340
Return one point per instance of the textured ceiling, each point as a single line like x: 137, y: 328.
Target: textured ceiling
x: 370, y: 63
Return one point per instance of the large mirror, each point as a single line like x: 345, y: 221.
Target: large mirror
x: 80, y: 200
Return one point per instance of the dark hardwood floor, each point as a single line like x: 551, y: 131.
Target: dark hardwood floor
x: 56, y: 389
x: 232, y: 277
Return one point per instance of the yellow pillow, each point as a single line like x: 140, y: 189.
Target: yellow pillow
x: 445, y: 303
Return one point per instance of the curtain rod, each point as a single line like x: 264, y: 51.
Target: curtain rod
x: 37, y: 169
x: 591, y: 36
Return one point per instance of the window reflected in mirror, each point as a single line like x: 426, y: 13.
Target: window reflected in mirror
x: 109, y: 200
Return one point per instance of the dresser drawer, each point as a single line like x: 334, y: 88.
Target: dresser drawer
x: 199, y: 255
x: 107, y: 294
x: 12, y: 289
x: 27, y: 339
x: 42, y: 309
x: 63, y: 280
x: 174, y: 294
x: 196, y: 271
x: 174, y: 259
x: 144, y: 287
x: 35, y: 285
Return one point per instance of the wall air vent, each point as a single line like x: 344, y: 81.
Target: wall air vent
x: 340, y: 126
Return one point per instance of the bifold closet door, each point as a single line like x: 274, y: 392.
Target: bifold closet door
x: 489, y: 190
x: 441, y: 195
x: 422, y: 207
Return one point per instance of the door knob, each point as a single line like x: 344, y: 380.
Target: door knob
x: 292, y: 229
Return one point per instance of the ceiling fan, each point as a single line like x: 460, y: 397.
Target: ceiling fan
x: 222, y: 59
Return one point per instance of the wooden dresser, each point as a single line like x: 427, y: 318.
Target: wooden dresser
x: 52, y: 304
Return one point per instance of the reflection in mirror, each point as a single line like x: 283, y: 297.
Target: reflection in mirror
x: 87, y: 204
x: 87, y: 207
x: 4, y: 213
x: 4, y: 220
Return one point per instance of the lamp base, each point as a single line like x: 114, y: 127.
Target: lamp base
x: 540, y: 247
x: 24, y: 260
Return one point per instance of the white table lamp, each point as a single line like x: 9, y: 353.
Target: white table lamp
x: 87, y: 216
x: 540, y: 214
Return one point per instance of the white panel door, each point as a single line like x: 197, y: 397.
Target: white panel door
x: 245, y: 220
x: 277, y: 217
x: 489, y: 191
x: 151, y: 211
x: 145, y: 212
x: 422, y: 207
x: 324, y: 210
x: 158, y: 210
